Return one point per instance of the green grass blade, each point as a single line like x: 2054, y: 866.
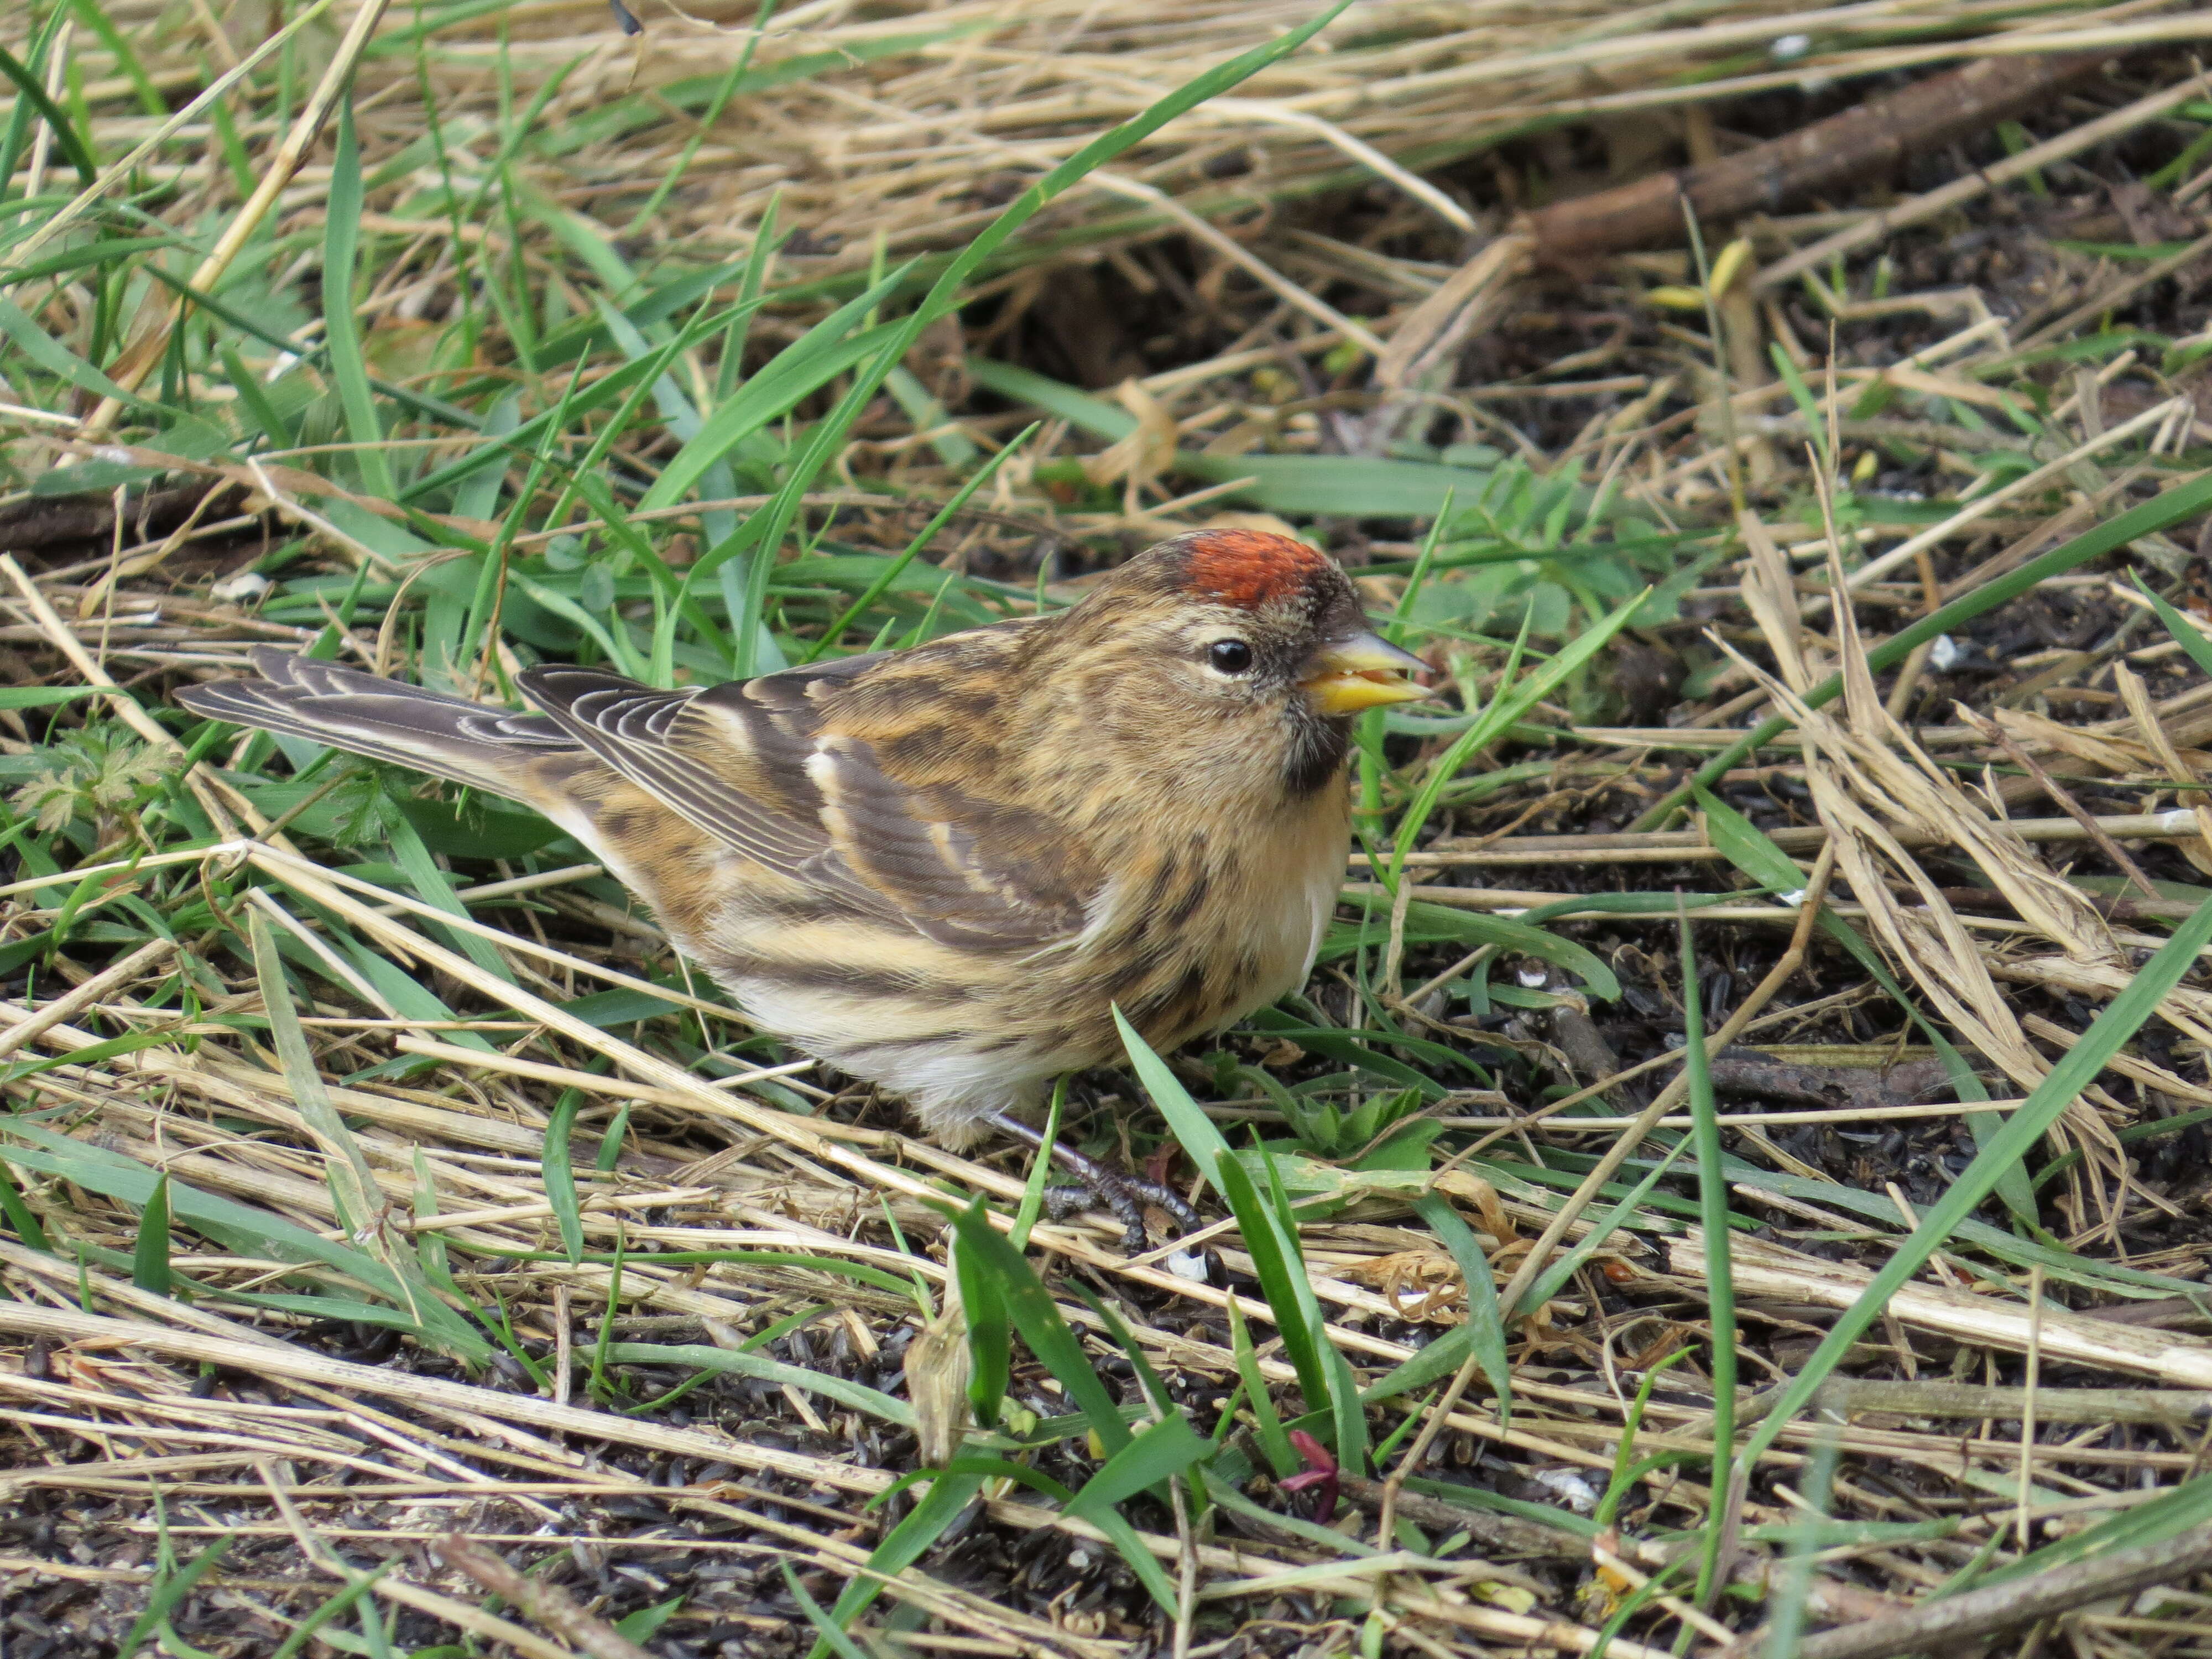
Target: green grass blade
x: 801, y: 369
x: 560, y: 1174
x: 49, y: 353
x: 876, y: 589
x: 1275, y: 1256
x: 1486, y: 1325
x: 354, y: 1190
x: 304, y: 1631
x: 20, y: 118
x: 2189, y: 1504
x: 1268, y: 1422
x: 1034, y: 1315
x: 93, y: 17
x: 34, y: 92
x: 351, y: 1184
x: 872, y: 1401
x: 1161, y: 1452
x: 1505, y: 709
x: 2186, y: 633
x: 340, y: 328
x: 1555, y: 1277
x: 1720, y: 1286
x: 1032, y: 1204
x: 18, y: 1213
x: 904, y: 1545
x: 990, y: 1335
x: 2075, y: 1071
x: 413, y: 855
x: 169, y: 1594
x: 832, y: 1634
x: 150, y: 1260
x: 2183, y: 502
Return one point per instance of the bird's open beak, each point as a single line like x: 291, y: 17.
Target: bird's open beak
x: 1362, y: 672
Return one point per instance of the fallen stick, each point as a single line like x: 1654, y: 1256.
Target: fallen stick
x: 1918, y: 210
x: 1936, y: 1625
x: 544, y: 1603
x: 1867, y: 138
x: 2175, y: 1360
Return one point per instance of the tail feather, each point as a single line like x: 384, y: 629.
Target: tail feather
x: 463, y: 742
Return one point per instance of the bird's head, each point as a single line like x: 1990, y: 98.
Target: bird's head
x: 1247, y: 638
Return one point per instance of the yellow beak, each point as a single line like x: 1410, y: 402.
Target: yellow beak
x: 1362, y: 672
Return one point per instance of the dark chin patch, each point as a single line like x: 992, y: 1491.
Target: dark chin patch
x: 1318, y: 747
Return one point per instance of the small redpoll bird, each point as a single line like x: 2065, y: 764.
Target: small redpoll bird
x: 939, y: 870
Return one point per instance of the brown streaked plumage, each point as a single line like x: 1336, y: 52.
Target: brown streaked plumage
x: 939, y: 869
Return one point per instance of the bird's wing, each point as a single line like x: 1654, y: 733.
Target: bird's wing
x: 762, y: 766
x: 628, y: 725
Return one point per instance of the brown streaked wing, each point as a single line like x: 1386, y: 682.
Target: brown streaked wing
x: 751, y: 764
x: 626, y: 725
x: 965, y: 871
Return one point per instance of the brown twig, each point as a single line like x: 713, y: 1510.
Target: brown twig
x: 1867, y: 138
x: 539, y: 1600
x: 2008, y: 1606
x: 36, y: 523
x: 1918, y: 210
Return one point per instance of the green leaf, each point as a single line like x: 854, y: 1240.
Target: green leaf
x: 34, y: 92
x: 50, y: 354
x: 560, y: 1175
x: 1038, y: 1319
x: 149, y: 1261
x: 860, y: 1398
x: 1162, y: 1451
x: 904, y: 1545
x: 1277, y: 1261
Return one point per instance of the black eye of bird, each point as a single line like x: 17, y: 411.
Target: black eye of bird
x: 1229, y: 656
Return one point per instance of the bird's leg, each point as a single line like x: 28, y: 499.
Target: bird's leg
x: 1120, y: 1192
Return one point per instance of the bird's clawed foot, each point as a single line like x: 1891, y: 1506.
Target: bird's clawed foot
x: 1124, y: 1194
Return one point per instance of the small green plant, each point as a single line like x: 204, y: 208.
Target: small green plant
x: 97, y: 777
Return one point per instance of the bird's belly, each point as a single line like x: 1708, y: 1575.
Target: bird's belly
x: 962, y: 1031
x: 1251, y: 939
